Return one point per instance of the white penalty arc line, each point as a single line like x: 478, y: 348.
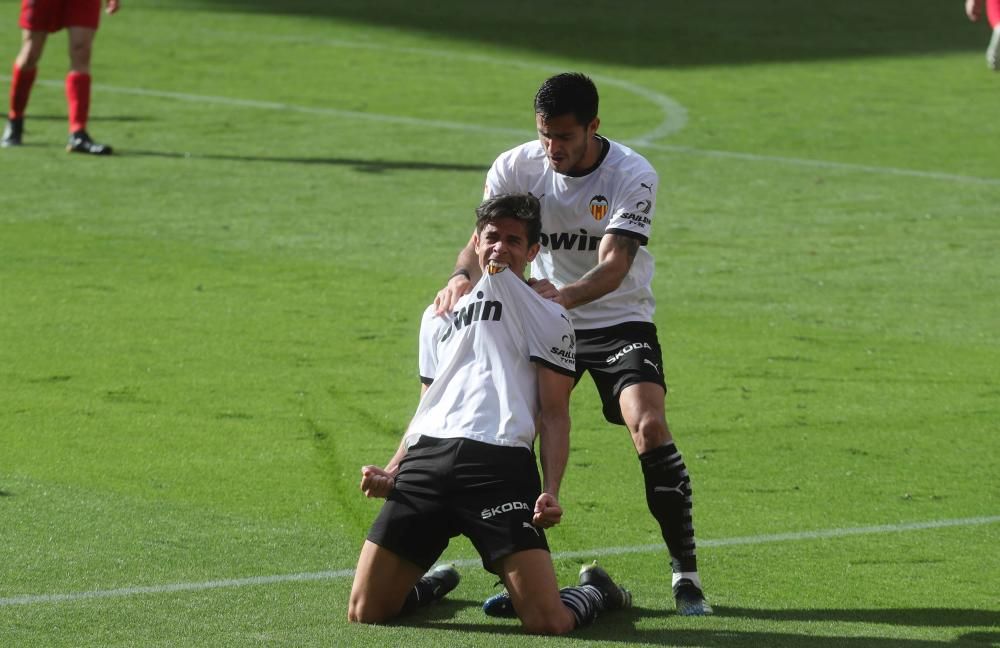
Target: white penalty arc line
x: 675, y: 115
x: 643, y: 142
x: 34, y: 599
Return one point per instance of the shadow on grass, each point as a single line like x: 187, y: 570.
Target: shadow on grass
x: 932, y: 617
x: 620, y: 627
x: 364, y: 166
x: 668, y: 33
x: 92, y: 118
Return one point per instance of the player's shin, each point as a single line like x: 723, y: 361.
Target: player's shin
x: 668, y: 496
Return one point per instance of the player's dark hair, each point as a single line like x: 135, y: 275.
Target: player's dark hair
x: 520, y: 206
x: 567, y: 93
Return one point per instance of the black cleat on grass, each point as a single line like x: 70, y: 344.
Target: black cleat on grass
x: 80, y: 142
x: 690, y: 600
x: 442, y: 579
x: 12, y: 133
x: 615, y: 596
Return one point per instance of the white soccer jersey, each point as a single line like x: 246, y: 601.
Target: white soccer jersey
x: 617, y: 196
x: 481, y: 361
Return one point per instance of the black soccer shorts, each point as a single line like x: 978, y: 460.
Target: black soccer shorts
x: 451, y: 487
x: 616, y: 357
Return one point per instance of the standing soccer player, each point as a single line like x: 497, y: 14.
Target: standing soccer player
x: 491, y: 370
x: 974, y: 10
x: 598, y: 201
x: 39, y: 18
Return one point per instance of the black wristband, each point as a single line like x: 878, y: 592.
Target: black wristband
x: 460, y: 271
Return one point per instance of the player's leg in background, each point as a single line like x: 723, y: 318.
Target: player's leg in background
x: 25, y: 69
x: 22, y: 80
x: 81, y: 44
x: 78, y: 80
x: 993, y: 51
x: 668, y: 488
x: 993, y: 12
x: 382, y: 582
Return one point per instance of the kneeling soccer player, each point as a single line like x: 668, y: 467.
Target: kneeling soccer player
x: 501, y: 361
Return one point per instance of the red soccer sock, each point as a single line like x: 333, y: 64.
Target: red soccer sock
x: 993, y: 12
x: 20, y: 89
x: 78, y: 100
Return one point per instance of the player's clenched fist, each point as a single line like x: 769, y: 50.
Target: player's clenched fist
x: 547, y: 511
x: 376, y: 482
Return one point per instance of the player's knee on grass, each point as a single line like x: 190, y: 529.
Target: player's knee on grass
x: 546, y: 623
x: 363, y: 609
x: 541, y: 614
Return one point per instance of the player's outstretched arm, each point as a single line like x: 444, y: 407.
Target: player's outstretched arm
x: 553, y: 437
x: 112, y: 6
x: 614, y: 260
x: 467, y: 274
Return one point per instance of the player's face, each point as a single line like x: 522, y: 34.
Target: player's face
x: 569, y: 145
x: 505, y: 241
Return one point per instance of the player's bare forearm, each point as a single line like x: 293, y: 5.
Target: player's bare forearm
x: 554, y: 450
x: 553, y: 427
x: 393, y: 466
x: 467, y: 274
x: 468, y: 261
x: 378, y: 482
x: 974, y: 9
x: 615, y: 257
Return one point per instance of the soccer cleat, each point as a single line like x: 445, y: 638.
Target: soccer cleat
x: 690, y: 599
x: 12, y: 132
x: 80, y: 142
x: 441, y: 579
x: 615, y: 597
x: 499, y: 605
x: 993, y: 51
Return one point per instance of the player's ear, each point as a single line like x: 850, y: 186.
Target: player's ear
x: 533, y: 250
x: 593, y: 126
x: 475, y: 242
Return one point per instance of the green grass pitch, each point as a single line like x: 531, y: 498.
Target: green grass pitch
x: 203, y: 337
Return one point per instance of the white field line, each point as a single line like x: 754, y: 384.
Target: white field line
x: 641, y: 142
x: 33, y: 599
x: 825, y: 164
x: 674, y: 118
x: 284, y: 107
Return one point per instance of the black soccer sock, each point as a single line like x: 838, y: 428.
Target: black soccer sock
x: 668, y: 496
x: 584, y: 601
x: 421, y: 595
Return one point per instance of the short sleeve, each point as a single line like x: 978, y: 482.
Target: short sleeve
x: 633, y: 216
x: 497, y: 179
x: 431, y: 330
x: 551, y: 339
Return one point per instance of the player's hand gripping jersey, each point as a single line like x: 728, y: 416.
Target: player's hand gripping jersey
x: 480, y: 362
x: 619, y: 196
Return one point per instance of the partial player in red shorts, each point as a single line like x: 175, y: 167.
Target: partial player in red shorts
x: 974, y: 10
x: 39, y: 18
